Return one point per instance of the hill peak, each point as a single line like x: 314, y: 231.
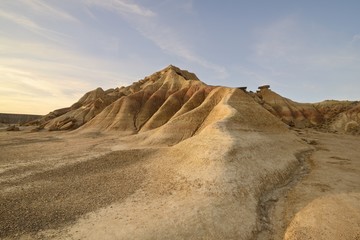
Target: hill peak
x: 184, y: 73
x: 164, y: 96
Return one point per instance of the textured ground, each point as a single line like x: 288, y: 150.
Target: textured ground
x: 322, y: 199
x: 60, y: 186
x: 325, y: 204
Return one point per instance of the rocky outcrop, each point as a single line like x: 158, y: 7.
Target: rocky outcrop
x: 264, y: 87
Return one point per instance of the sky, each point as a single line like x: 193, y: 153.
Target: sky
x: 54, y: 51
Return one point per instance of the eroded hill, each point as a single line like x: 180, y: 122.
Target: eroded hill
x: 173, y: 96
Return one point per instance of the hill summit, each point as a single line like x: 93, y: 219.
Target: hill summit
x: 179, y: 98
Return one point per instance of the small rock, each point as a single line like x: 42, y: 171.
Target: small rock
x: 264, y: 87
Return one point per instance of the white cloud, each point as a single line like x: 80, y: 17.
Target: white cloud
x: 50, y: 11
x: 39, y: 77
x: 21, y: 20
x: 48, y: 58
x: 160, y: 34
x: 22, y: 89
x: 122, y: 7
x: 33, y: 26
x: 169, y: 41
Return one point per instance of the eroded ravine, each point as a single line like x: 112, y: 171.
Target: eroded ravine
x: 321, y: 200
x: 270, y: 199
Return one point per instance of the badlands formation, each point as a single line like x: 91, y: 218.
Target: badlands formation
x: 170, y: 157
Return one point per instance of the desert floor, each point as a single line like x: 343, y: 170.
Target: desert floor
x: 55, y: 185
x: 323, y: 201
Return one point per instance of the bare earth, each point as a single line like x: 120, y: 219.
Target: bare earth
x: 326, y: 203
x: 238, y: 185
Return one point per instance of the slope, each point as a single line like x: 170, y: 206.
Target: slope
x: 328, y: 116
x: 227, y: 152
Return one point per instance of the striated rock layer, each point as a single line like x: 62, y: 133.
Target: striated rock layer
x: 333, y: 116
x: 174, y: 96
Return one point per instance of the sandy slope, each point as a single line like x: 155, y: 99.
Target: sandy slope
x: 206, y: 184
x: 90, y: 186
x: 208, y: 192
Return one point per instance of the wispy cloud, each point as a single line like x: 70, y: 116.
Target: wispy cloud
x: 122, y: 7
x: 31, y: 91
x: 147, y: 23
x: 170, y: 42
x: 45, y: 9
x: 59, y: 62
x: 33, y: 26
x: 40, y: 77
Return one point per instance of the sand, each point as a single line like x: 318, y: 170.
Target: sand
x: 104, y: 187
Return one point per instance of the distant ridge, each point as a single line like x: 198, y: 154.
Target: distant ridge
x: 13, y: 118
x: 333, y: 116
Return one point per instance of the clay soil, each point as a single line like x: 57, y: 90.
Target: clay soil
x: 325, y: 202
x: 57, y: 186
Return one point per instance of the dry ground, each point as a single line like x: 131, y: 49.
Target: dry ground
x: 60, y: 186
x: 325, y: 204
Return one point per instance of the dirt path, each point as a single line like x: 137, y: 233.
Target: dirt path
x: 325, y: 202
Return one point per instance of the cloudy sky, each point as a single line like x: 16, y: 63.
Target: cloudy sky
x: 53, y: 51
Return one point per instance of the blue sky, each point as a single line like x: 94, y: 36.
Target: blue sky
x: 53, y: 51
